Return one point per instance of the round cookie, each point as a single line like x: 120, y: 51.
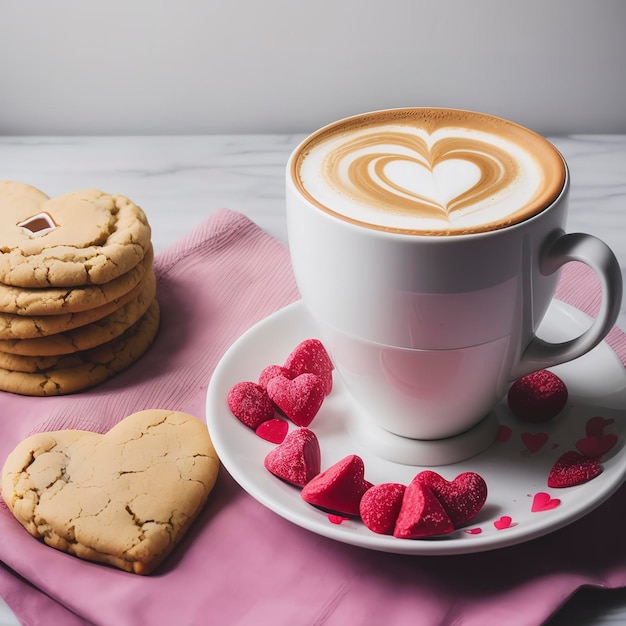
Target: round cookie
x: 59, y: 300
x: 30, y: 327
x: 88, y: 368
x: 81, y: 238
x: 90, y: 335
x: 122, y: 498
x: 33, y: 364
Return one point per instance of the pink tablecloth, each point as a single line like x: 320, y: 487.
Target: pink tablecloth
x: 241, y: 564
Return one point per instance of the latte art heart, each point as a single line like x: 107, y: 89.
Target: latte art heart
x: 480, y: 169
x: 429, y: 173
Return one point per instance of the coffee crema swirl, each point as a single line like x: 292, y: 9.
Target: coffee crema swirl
x: 429, y: 171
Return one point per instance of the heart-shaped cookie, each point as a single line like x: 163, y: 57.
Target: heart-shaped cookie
x: 125, y: 498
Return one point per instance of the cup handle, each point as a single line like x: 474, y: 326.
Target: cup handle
x: 591, y: 251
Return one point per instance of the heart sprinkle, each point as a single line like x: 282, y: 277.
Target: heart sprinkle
x: 462, y: 498
x: 596, y: 445
x: 537, y: 397
x: 473, y: 531
x: 504, y: 522
x: 297, y: 459
x: 299, y: 398
x: 534, y: 441
x: 421, y: 514
x: 273, y: 430
x: 504, y: 433
x: 543, y: 502
x: 250, y: 404
x: 595, y: 425
x: 572, y: 469
x: 339, y: 489
x: 380, y: 507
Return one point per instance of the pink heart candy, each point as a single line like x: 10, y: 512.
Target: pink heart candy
x: 300, y: 398
x: 310, y: 356
x: 297, y: 459
x: 250, y: 403
x: 339, y: 489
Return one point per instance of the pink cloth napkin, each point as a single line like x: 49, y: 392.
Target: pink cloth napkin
x: 241, y: 564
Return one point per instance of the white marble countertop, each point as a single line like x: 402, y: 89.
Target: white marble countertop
x: 180, y: 180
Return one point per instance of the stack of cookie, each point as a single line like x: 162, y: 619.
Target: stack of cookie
x: 77, y: 289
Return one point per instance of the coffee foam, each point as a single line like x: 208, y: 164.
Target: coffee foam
x: 429, y: 171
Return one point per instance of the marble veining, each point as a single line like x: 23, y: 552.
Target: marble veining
x: 180, y: 180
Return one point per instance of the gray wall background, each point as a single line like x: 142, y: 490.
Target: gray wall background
x: 94, y: 67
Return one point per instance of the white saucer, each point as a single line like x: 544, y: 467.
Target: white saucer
x: 596, y: 384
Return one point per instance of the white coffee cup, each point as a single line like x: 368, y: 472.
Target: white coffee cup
x: 429, y: 315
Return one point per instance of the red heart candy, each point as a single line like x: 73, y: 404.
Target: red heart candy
x: 534, y: 441
x: 596, y: 425
x: 596, y: 445
x: 421, y: 514
x: 543, y: 502
x: 462, y: 498
x: 250, y: 403
x: 339, y: 489
x: 310, y: 356
x: 271, y: 371
x: 380, y: 506
x: 537, y: 397
x: 299, y: 399
x: 274, y: 430
x: 297, y: 458
x: 572, y: 469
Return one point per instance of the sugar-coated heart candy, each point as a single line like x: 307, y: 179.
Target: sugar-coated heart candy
x: 537, y: 397
x: 299, y: 398
x: 250, y: 403
x: 310, y: 356
x: 339, y: 489
x: 380, y: 507
x: 462, y: 498
x: 297, y: 459
x: 421, y: 514
x: 572, y: 468
x: 271, y: 371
